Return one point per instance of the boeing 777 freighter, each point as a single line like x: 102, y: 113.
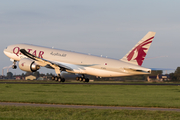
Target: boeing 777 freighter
x: 32, y: 57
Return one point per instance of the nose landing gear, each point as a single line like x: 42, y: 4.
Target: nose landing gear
x: 14, y: 66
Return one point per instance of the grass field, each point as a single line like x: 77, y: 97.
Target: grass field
x: 44, y: 113
x: 109, y: 95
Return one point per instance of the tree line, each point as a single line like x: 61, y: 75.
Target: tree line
x: 175, y: 76
x: 36, y: 74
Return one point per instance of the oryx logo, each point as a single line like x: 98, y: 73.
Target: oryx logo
x: 22, y: 64
x: 139, y: 52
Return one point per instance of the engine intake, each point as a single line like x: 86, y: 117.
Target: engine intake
x: 28, y: 65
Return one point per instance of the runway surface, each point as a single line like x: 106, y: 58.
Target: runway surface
x: 82, y: 83
x: 88, y: 107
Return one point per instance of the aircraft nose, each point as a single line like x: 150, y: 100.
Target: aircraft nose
x: 5, y: 51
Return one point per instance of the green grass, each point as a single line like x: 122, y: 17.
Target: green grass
x: 109, y: 95
x: 45, y: 113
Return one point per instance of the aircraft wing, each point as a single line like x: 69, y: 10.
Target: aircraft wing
x: 52, y: 64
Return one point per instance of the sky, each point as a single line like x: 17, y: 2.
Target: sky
x: 100, y: 27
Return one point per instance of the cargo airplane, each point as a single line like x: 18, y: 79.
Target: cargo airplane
x: 32, y: 57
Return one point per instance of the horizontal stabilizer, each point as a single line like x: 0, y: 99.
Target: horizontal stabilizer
x: 137, y: 71
x: 162, y: 69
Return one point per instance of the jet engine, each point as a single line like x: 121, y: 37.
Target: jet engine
x: 28, y: 65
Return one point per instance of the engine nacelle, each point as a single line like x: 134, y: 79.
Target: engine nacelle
x: 28, y: 65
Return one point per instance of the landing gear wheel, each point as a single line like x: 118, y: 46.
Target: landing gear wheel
x: 56, y: 78
x: 62, y: 80
x: 59, y: 79
x: 53, y: 78
x: 14, y: 66
x: 87, y: 80
x: 80, y: 79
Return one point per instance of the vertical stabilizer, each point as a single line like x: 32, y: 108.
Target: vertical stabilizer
x: 138, y: 53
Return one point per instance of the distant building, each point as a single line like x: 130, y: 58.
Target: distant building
x: 158, y: 78
x: 1, y: 77
x: 19, y: 78
x: 164, y: 77
x: 30, y: 77
x: 40, y: 78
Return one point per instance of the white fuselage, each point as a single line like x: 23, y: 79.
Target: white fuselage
x: 80, y: 63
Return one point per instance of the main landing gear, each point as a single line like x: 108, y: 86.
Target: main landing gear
x: 58, y: 78
x: 82, y: 78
